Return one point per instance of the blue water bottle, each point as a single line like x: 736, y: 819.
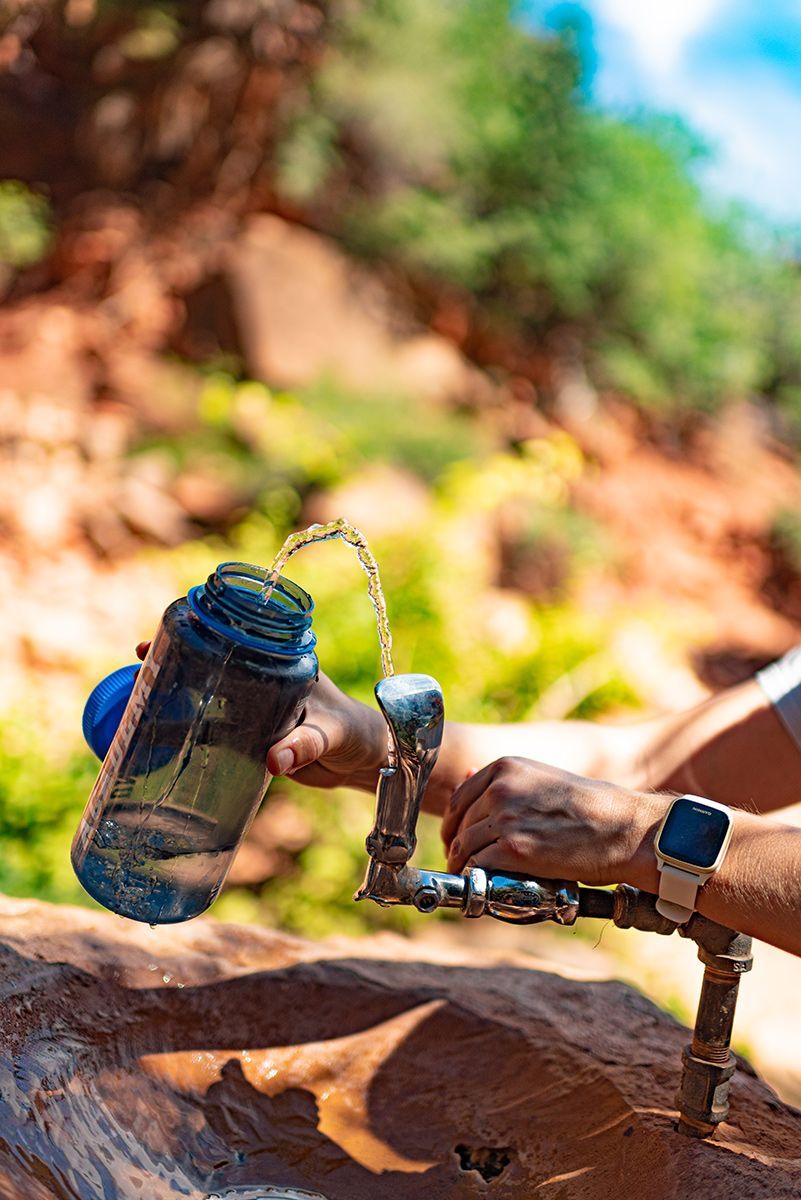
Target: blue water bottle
x: 185, y: 740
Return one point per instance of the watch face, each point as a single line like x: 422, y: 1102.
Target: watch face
x: 693, y: 833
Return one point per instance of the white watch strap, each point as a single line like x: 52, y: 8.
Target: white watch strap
x: 678, y: 890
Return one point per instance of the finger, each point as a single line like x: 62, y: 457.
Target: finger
x: 471, y: 841
x: 142, y: 649
x: 465, y: 795
x: 304, y: 745
x: 502, y: 856
x: 479, y: 810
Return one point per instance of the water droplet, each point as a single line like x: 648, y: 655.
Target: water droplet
x: 180, y: 985
x: 152, y: 966
x: 166, y: 978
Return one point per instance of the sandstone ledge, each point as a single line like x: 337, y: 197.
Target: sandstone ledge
x: 197, y: 1059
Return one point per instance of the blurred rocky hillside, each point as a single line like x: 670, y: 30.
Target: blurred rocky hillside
x: 250, y: 281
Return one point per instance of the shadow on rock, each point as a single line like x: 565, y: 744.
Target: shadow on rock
x: 352, y: 1077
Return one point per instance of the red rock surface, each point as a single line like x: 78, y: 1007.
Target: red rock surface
x: 193, y: 1060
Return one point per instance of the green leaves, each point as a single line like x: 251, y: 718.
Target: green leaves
x: 456, y: 145
x: 24, y: 225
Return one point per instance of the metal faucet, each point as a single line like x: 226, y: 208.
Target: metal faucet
x: 414, y: 710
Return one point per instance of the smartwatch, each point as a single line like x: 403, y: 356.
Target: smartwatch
x: 690, y: 846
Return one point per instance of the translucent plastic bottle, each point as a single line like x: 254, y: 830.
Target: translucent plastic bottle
x: 226, y: 675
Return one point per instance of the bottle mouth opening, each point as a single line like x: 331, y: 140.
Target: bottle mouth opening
x: 230, y: 602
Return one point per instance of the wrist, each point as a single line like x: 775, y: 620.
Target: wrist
x: 736, y: 846
x: 647, y: 812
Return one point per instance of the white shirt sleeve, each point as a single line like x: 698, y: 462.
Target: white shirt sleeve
x: 781, y: 683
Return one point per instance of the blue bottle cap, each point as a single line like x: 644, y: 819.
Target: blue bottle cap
x: 103, y: 710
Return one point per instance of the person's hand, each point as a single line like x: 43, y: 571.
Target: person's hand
x: 340, y: 743
x: 525, y: 817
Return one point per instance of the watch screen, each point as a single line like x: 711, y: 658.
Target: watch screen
x: 693, y: 833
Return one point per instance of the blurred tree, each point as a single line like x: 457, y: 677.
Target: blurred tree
x: 451, y: 141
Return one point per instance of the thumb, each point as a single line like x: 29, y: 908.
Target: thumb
x: 302, y: 746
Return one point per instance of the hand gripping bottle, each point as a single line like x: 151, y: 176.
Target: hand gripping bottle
x: 184, y: 773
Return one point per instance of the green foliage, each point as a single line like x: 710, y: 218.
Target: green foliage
x: 41, y: 799
x: 272, y: 448
x: 781, y: 289
x: 24, y: 225
x: 155, y: 35
x: 396, y: 428
x: 307, y: 155
x: 489, y: 170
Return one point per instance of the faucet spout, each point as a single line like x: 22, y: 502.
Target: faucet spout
x: 414, y: 711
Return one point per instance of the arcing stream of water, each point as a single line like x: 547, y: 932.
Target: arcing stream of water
x: 348, y: 533
x: 161, y: 853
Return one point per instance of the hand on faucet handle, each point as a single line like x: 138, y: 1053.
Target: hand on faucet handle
x: 526, y: 817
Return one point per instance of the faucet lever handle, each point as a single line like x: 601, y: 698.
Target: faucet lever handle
x: 414, y: 710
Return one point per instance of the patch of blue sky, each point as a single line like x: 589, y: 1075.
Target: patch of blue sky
x: 730, y: 68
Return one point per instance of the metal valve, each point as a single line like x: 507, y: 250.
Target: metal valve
x: 414, y: 711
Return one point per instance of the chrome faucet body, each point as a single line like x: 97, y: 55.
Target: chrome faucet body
x: 413, y: 708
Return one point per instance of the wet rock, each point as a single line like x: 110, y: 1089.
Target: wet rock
x: 214, y: 1060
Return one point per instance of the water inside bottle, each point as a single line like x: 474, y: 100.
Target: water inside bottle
x: 353, y: 537
x: 165, y: 869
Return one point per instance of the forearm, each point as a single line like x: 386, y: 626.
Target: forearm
x: 758, y: 888
x: 732, y: 748
x: 578, y: 746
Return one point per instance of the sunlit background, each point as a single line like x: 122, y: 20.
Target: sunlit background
x: 727, y: 67
x: 514, y: 289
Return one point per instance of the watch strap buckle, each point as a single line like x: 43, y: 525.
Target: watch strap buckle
x: 678, y: 891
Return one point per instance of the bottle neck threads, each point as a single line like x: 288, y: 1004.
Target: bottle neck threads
x: 230, y: 603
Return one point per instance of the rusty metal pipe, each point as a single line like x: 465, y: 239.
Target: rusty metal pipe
x: 707, y: 1063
